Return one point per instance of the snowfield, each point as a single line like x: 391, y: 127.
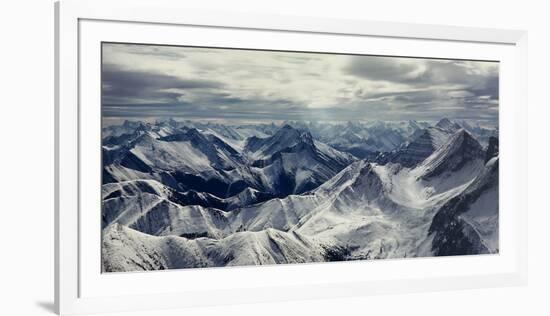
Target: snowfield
x: 190, y: 195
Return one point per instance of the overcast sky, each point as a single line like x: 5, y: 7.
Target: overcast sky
x: 144, y: 81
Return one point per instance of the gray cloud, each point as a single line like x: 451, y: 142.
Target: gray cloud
x: 147, y: 81
x: 381, y: 69
x: 161, y: 52
x: 121, y: 86
x: 420, y: 73
x: 249, y: 112
x: 430, y: 88
x: 489, y: 87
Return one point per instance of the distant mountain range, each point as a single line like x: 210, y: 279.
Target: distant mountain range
x: 188, y: 194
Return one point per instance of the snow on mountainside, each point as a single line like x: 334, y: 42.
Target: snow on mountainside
x: 482, y: 132
x: 190, y: 152
x: 183, y: 161
x: 209, y: 150
x: 127, y: 127
x: 259, y: 148
x: 366, y: 209
x: 127, y: 202
x: 130, y: 131
x: 459, y: 150
x: 191, y: 194
x: 290, y: 161
x: 295, y: 161
x: 468, y: 223
x: 124, y: 249
x: 447, y: 124
x: 158, y: 214
x: 362, y: 139
x: 456, y: 162
x: 414, y: 152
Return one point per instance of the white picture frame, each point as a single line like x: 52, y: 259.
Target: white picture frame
x: 81, y: 288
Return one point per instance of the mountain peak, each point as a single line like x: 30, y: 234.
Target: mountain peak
x: 412, y: 153
x: 143, y: 127
x: 443, y: 121
x: 447, y: 124
x: 191, y: 134
x: 171, y: 122
x: 285, y: 127
x: 306, y: 138
x: 286, y: 132
x: 466, y: 138
x: 128, y: 123
x: 261, y: 148
x: 459, y: 150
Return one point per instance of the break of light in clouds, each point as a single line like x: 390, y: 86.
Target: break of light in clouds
x: 184, y: 82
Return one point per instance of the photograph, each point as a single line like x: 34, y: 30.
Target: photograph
x: 221, y: 156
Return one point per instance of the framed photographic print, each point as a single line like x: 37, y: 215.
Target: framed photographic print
x: 212, y: 157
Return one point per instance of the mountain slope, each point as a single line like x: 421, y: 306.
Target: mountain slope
x: 156, y: 215
x: 288, y: 162
x: 455, y: 163
x: 369, y: 210
x: 124, y: 249
x: 203, y: 194
x: 449, y: 125
x: 412, y: 153
x: 468, y: 223
x: 291, y: 162
x: 362, y: 139
x: 453, y: 155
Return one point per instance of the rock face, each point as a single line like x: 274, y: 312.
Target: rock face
x: 190, y: 195
x: 410, y: 154
x: 290, y: 161
x: 448, y: 125
x: 286, y: 137
x: 461, y: 149
x: 492, y: 148
x: 468, y: 223
x: 295, y: 161
x: 364, y: 140
x: 125, y: 249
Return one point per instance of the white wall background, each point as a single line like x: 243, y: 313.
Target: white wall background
x: 26, y: 154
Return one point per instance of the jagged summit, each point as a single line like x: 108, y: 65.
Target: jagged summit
x: 287, y: 136
x: 128, y: 123
x: 468, y: 222
x: 459, y: 150
x: 211, y: 194
x: 414, y: 152
x: 295, y: 160
x: 191, y: 134
x: 447, y: 124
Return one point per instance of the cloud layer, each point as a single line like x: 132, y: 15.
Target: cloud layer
x: 159, y: 81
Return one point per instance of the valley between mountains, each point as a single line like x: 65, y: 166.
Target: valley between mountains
x: 192, y: 194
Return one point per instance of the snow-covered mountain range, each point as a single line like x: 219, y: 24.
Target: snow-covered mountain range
x: 189, y: 194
